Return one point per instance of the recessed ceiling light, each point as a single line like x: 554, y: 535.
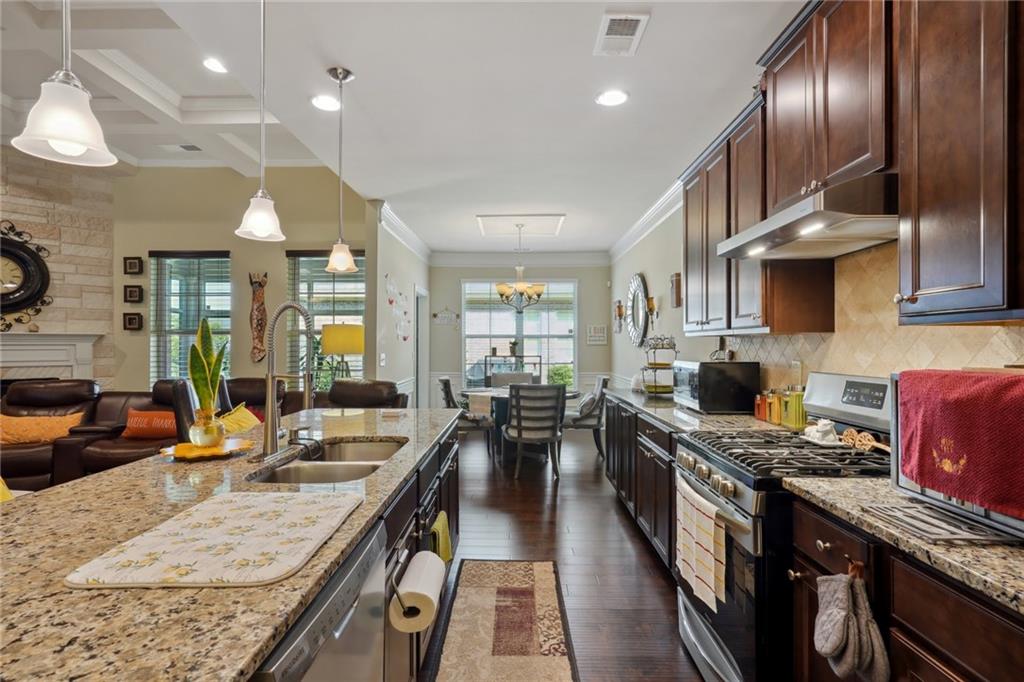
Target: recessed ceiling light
x: 326, y: 103
x: 755, y: 250
x: 612, y: 98
x: 215, y: 65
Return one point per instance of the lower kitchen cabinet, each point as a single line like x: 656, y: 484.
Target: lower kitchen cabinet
x: 625, y: 481
x: 655, y: 497
x: 808, y: 666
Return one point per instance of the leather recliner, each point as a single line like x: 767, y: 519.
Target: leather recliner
x: 366, y: 393
x: 102, y: 445
x: 31, y: 466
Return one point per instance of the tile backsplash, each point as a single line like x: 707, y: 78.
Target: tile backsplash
x: 868, y: 339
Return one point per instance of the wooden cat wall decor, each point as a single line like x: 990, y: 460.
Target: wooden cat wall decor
x: 258, y: 316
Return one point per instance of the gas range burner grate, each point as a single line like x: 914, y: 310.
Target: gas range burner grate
x: 781, y: 453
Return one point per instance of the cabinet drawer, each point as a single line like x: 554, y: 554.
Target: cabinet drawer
x: 977, y: 638
x: 910, y: 662
x: 654, y: 433
x: 826, y: 542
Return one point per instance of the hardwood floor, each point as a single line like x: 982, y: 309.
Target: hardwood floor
x: 619, y: 598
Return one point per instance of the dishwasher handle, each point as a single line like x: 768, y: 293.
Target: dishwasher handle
x: 340, y: 630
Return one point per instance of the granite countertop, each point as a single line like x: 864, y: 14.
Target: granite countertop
x: 678, y: 419
x: 994, y: 570
x: 50, y: 631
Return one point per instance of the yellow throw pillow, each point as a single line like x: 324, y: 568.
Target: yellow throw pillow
x: 23, y: 430
x: 239, y: 419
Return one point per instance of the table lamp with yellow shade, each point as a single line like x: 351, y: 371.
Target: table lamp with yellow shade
x: 342, y: 339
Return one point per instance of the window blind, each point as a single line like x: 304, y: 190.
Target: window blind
x: 330, y: 299
x: 186, y: 286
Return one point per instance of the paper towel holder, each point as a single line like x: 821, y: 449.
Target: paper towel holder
x: 407, y: 611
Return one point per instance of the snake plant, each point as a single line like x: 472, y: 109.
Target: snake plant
x: 204, y: 367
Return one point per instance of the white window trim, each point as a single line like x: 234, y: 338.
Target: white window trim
x: 575, y: 322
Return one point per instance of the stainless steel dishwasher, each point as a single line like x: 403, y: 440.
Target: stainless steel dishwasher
x: 341, y: 634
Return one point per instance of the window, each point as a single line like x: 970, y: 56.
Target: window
x: 330, y: 299
x: 186, y: 287
x: 546, y: 329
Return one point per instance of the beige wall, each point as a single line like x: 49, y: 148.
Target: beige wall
x: 69, y: 210
x: 657, y: 256
x: 594, y: 308
x: 199, y: 209
x: 406, y: 271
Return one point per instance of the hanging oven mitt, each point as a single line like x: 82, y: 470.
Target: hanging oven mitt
x: 844, y: 663
x: 873, y: 663
x: 832, y: 624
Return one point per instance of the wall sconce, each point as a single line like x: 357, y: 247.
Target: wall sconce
x: 652, y: 307
x: 618, y: 313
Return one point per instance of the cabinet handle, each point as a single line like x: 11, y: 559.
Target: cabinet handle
x: 822, y: 546
x: 794, y: 575
x: 900, y: 298
x: 803, y: 191
x: 756, y: 316
x: 814, y: 183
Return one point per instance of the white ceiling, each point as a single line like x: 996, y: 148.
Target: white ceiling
x: 458, y: 109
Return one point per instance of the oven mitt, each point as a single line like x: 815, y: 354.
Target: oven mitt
x: 832, y: 624
x: 874, y: 666
x: 844, y: 663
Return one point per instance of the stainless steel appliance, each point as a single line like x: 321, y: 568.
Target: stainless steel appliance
x: 976, y: 518
x: 341, y: 634
x: 716, y: 387
x: 748, y: 637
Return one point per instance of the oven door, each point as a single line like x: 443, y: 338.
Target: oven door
x: 724, y: 641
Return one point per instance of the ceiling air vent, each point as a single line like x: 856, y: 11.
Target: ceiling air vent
x: 620, y: 34
x: 190, y: 148
x: 176, y: 148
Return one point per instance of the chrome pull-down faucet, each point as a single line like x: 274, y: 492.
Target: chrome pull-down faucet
x: 272, y: 418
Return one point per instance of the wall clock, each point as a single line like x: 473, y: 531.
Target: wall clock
x: 636, y: 309
x: 24, y: 277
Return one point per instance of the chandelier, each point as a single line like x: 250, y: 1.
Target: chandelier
x: 519, y: 294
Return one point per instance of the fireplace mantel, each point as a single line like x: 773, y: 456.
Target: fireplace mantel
x: 41, y: 351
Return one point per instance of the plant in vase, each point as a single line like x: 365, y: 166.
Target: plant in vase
x: 204, y: 365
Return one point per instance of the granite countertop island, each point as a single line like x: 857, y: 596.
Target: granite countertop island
x: 996, y: 571
x: 50, y: 631
x: 678, y: 419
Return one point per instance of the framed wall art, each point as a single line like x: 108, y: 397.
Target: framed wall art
x: 133, y: 265
x: 133, y: 293
x: 132, y: 322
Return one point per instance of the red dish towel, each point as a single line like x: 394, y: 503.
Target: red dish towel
x: 962, y: 434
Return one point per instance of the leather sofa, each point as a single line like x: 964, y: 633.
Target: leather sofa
x: 32, y: 466
x: 101, y: 444
x: 253, y: 392
x: 366, y: 393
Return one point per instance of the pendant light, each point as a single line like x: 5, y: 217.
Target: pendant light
x: 260, y: 221
x: 61, y: 126
x: 341, y: 260
x: 519, y: 295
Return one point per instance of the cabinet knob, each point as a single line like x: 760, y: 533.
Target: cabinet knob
x: 822, y: 546
x: 900, y: 298
x: 803, y: 191
x: 794, y: 575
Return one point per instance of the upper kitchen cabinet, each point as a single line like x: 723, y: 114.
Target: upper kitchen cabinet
x: 746, y: 208
x: 826, y: 88
x: 961, y: 242
x: 705, y: 223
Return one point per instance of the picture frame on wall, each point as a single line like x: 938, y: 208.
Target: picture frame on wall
x: 132, y: 322
x: 133, y: 265
x: 133, y: 293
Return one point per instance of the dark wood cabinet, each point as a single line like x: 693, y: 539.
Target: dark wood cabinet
x: 611, y: 441
x: 746, y: 208
x: 827, y: 100
x: 911, y: 663
x: 448, y: 495
x: 961, y: 249
x: 790, y: 133
x: 808, y: 665
x: 645, y: 492
x: 664, y: 508
x: 706, y: 223
x: 626, y: 479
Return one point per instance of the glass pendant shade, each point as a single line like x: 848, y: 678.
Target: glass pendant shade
x: 341, y: 260
x: 260, y: 221
x: 61, y: 127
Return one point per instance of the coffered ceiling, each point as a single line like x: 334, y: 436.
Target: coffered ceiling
x: 458, y: 109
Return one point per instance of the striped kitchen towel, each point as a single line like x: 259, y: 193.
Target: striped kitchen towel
x: 700, y: 540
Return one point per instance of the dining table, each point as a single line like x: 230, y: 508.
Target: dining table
x: 498, y: 410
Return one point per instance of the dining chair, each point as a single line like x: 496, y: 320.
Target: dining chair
x: 509, y: 378
x: 535, y: 418
x: 469, y: 422
x: 589, y: 414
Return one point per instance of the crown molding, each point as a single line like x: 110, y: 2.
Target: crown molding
x: 670, y: 201
x: 390, y: 221
x: 504, y: 259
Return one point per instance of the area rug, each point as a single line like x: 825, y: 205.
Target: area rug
x: 507, y: 624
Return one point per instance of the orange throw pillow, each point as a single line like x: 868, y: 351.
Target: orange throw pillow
x: 23, y: 430
x: 150, y: 424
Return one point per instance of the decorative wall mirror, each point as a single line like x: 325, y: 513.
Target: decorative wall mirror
x: 636, y: 309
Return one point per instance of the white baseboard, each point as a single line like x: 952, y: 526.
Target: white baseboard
x: 407, y: 385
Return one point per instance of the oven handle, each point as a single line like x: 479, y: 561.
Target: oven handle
x: 695, y: 640
x: 745, y: 525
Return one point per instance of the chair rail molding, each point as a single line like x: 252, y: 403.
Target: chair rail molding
x: 26, y: 354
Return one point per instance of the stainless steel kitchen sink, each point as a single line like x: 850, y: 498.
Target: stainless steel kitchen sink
x: 318, y: 472
x: 360, y: 451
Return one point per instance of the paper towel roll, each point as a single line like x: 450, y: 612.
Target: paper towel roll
x: 421, y: 591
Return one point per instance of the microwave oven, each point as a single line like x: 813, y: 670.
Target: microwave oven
x: 716, y: 387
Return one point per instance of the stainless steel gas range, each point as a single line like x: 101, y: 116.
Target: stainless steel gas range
x: 747, y: 637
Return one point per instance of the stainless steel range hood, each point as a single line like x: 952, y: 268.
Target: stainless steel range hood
x: 849, y: 217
